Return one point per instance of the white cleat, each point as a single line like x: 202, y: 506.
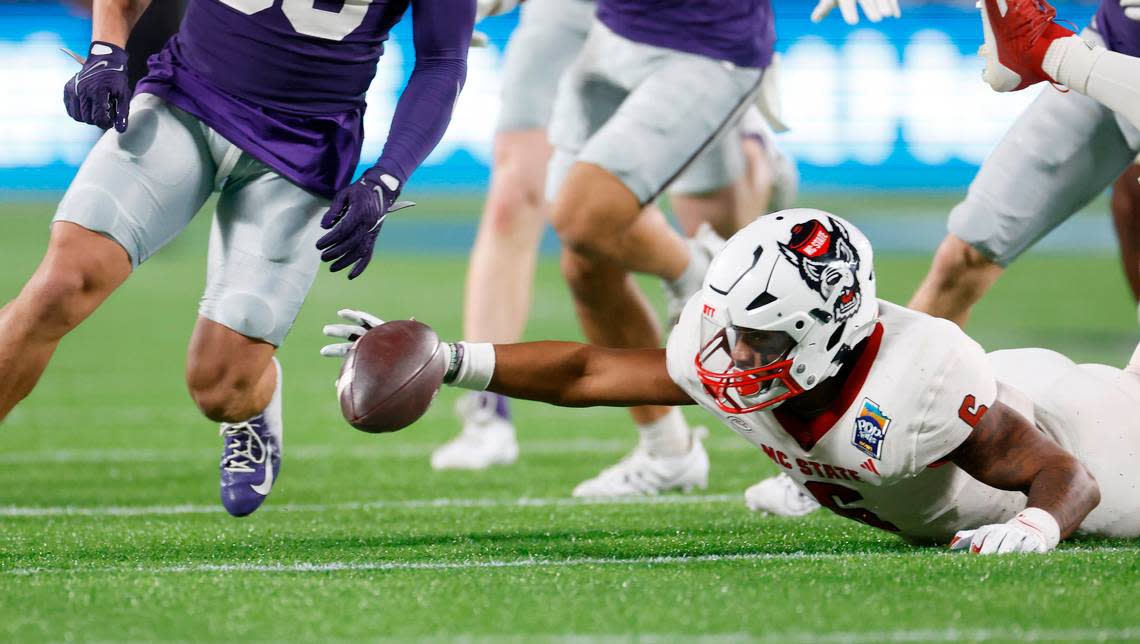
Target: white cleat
x: 641, y: 474
x: 486, y: 438
x: 781, y: 496
x: 702, y: 247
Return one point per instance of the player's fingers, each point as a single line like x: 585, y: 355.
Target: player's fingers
x: 1011, y: 543
x: 86, y: 109
x: 360, y: 266
x: 335, y: 212
x: 351, y: 245
x: 979, y: 540
x: 346, y: 331
x: 821, y: 10
x: 122, y: 107
x: 894, y: 10
x: 850, y: 11
x: 992, y: 541
x: 961, y: 540
x: 336, y: 350
x: 344, y: 262
x: 103, y: 110
x: 338, y: 241
x: 362, y: 318
x: 871, y: 10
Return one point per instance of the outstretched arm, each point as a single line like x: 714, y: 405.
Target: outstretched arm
x: 560, y: 373
x: 1007, y: 452
x: 581, y: 375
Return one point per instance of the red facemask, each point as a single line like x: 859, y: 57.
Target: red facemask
x: 731, y: 388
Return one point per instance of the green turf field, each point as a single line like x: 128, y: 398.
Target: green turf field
x: 110, y: 526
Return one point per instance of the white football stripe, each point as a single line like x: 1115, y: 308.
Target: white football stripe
x: 13, y: 511
x: 354, y: 566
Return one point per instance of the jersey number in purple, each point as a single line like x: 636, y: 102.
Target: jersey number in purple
x: 831, y: 496
x: 309, y: 20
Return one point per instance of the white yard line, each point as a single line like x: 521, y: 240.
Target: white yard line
x: 380, y: 566
x: 13, y: 511
x: 313, y: 452
x: 1011, y: 633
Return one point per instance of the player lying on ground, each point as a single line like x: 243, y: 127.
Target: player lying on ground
x: 726, y: 186
x: 1059, y: 155
x: 887, y: 416
x: 263, y: 103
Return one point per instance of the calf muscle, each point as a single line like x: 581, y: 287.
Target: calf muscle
x: 80, y: 269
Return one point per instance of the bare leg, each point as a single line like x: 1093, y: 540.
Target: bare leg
x: 1126, y: 218
x: 231, y: 377
x: 726, y: 210
x: 501, y: 271
x: 958, y: 278
x: 606, y: 236
x: 732, y: 207
x: 80, y: 269
x: 596, y: 216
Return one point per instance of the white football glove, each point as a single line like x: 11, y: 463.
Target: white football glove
x: 488, y: 8
x: 360, y: 323
x: 875, y: 10
x: 1032, y: 530
x: 1131, y: 9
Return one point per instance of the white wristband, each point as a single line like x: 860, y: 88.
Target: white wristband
x: 476, y: 366
x: 1041, y: 521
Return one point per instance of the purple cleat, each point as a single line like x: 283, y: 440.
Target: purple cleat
x: 252, y: 457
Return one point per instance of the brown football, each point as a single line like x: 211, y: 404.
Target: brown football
x: 390, y: 376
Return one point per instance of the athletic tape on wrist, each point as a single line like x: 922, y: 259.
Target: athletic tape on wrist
x: 476, y: 365
x: 1043, y: 522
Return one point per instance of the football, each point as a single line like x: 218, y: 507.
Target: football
x: 390, y: 376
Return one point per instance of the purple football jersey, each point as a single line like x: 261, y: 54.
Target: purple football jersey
x: 1121, y: 34
x: 284, y: 80
x: 742, y: 32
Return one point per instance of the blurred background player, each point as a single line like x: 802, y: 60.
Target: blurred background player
x: 739, y: 177
x: 649, y: 93
x: 262, y: 104
x: 1061, y: 153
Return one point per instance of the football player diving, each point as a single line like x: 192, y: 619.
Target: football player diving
x: 885, y: 415
x: 261, y: 102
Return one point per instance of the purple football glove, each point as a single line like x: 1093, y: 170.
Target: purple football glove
x: 354, y: 220
x: 100, y: 93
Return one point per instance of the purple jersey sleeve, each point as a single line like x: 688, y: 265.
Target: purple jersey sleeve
x: 442, y: 33
x: 1121, y: 34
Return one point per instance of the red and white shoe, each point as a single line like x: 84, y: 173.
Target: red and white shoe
x: 1017, y: 35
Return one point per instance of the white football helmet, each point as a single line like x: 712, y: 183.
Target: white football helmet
x: 783, y: 301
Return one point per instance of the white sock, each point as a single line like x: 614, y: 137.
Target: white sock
x: 1110, y: 78
x: 690, y: 280
x: 666, y: 436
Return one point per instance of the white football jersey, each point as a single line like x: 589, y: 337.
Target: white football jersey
x: 878, y: 455
x: 1091, y: 410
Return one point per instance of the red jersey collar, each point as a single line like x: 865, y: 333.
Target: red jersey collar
x: 808, y: 433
